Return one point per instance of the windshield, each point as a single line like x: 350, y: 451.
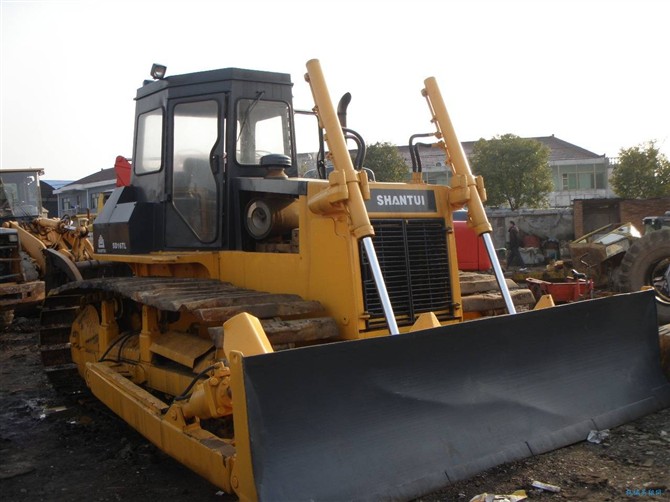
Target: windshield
x: 19, y: 194
x: 262, y: 129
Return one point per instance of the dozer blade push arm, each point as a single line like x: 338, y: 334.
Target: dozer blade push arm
x: 347, y: 187
x: 471, y: 188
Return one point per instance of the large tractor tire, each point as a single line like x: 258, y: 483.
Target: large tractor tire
x: 646, y: 263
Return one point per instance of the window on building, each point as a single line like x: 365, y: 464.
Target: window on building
x: 583, y: 177
x: 436, y: 177
x: 568, y: 182
x: 93, y: 204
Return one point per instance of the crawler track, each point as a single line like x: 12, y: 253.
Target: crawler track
x: 56, y: 318
x: 209, y: 301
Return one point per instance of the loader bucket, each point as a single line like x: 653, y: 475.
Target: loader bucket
x: 395, y: 417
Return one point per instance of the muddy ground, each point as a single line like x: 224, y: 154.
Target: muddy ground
x: 51, y: 450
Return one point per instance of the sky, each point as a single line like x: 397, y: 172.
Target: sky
x: 594, y: 73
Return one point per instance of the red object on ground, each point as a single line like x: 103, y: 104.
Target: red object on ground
x: 561, y: 292
x: 531, y: 241
x: 122, y: 169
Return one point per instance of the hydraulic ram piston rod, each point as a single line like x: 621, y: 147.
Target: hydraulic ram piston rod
x: 497, y: 269
x: 360, y: 221
x: 381, y: 285
x: 460, y: 167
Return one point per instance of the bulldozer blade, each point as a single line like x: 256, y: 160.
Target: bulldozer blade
x: 393, y: 418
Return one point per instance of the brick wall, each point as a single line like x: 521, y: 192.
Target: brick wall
x: 626, y: 210
x: 635, y: 210
x: 578, y: 216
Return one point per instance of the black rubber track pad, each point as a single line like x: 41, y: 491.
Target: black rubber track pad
x: 396, y: 417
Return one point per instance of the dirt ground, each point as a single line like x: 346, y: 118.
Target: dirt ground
x: 51, y: 450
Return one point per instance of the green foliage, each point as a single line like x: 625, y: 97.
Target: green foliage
x: 386, y: 162
x: 642, y: 172
x: 515, y: 170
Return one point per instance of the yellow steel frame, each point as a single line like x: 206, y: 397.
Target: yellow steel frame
x: 176, y: 428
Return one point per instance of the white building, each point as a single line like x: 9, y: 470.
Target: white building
x: 577, y: 173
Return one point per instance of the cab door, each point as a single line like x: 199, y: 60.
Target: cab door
x: 194, y: 178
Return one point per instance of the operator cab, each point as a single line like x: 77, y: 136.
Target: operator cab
x: 20, y: 197
x: 204, y: 144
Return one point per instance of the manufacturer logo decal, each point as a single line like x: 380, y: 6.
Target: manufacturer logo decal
x: 101, y: 245
x: 401, y: 201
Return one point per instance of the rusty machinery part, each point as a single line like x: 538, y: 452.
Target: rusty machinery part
x: 59, y: 235
x: 647, y: 263
x: 51, y: 249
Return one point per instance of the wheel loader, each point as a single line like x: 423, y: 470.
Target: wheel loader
x: 20, y: 285
x: 39, y: 252
x: 297, y: 338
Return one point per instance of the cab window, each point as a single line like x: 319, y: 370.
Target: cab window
x: 262, y: 129
x: 149, y: 142
x: 196, y: 130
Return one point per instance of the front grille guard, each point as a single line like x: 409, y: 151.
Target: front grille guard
x: 414, y: 259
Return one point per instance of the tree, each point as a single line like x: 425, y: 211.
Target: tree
x: 386, y: 162
x: 515, y: 171
x: 642, y: 172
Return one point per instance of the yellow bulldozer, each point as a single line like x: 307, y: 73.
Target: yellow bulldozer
x: 303, y: 338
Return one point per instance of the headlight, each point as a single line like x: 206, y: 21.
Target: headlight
x: 13, y: 237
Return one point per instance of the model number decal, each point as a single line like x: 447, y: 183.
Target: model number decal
x: 119, y: 245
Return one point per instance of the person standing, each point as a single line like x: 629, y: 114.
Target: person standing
x: 514, y: 258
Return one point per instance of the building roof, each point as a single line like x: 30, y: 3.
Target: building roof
x: 559, y: 149
x: 100, y: 178
x: 56, y: 184
x: 102, y: 175
x: 562, y: 150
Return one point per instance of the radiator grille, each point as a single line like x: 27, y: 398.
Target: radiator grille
x: 414, y: 260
